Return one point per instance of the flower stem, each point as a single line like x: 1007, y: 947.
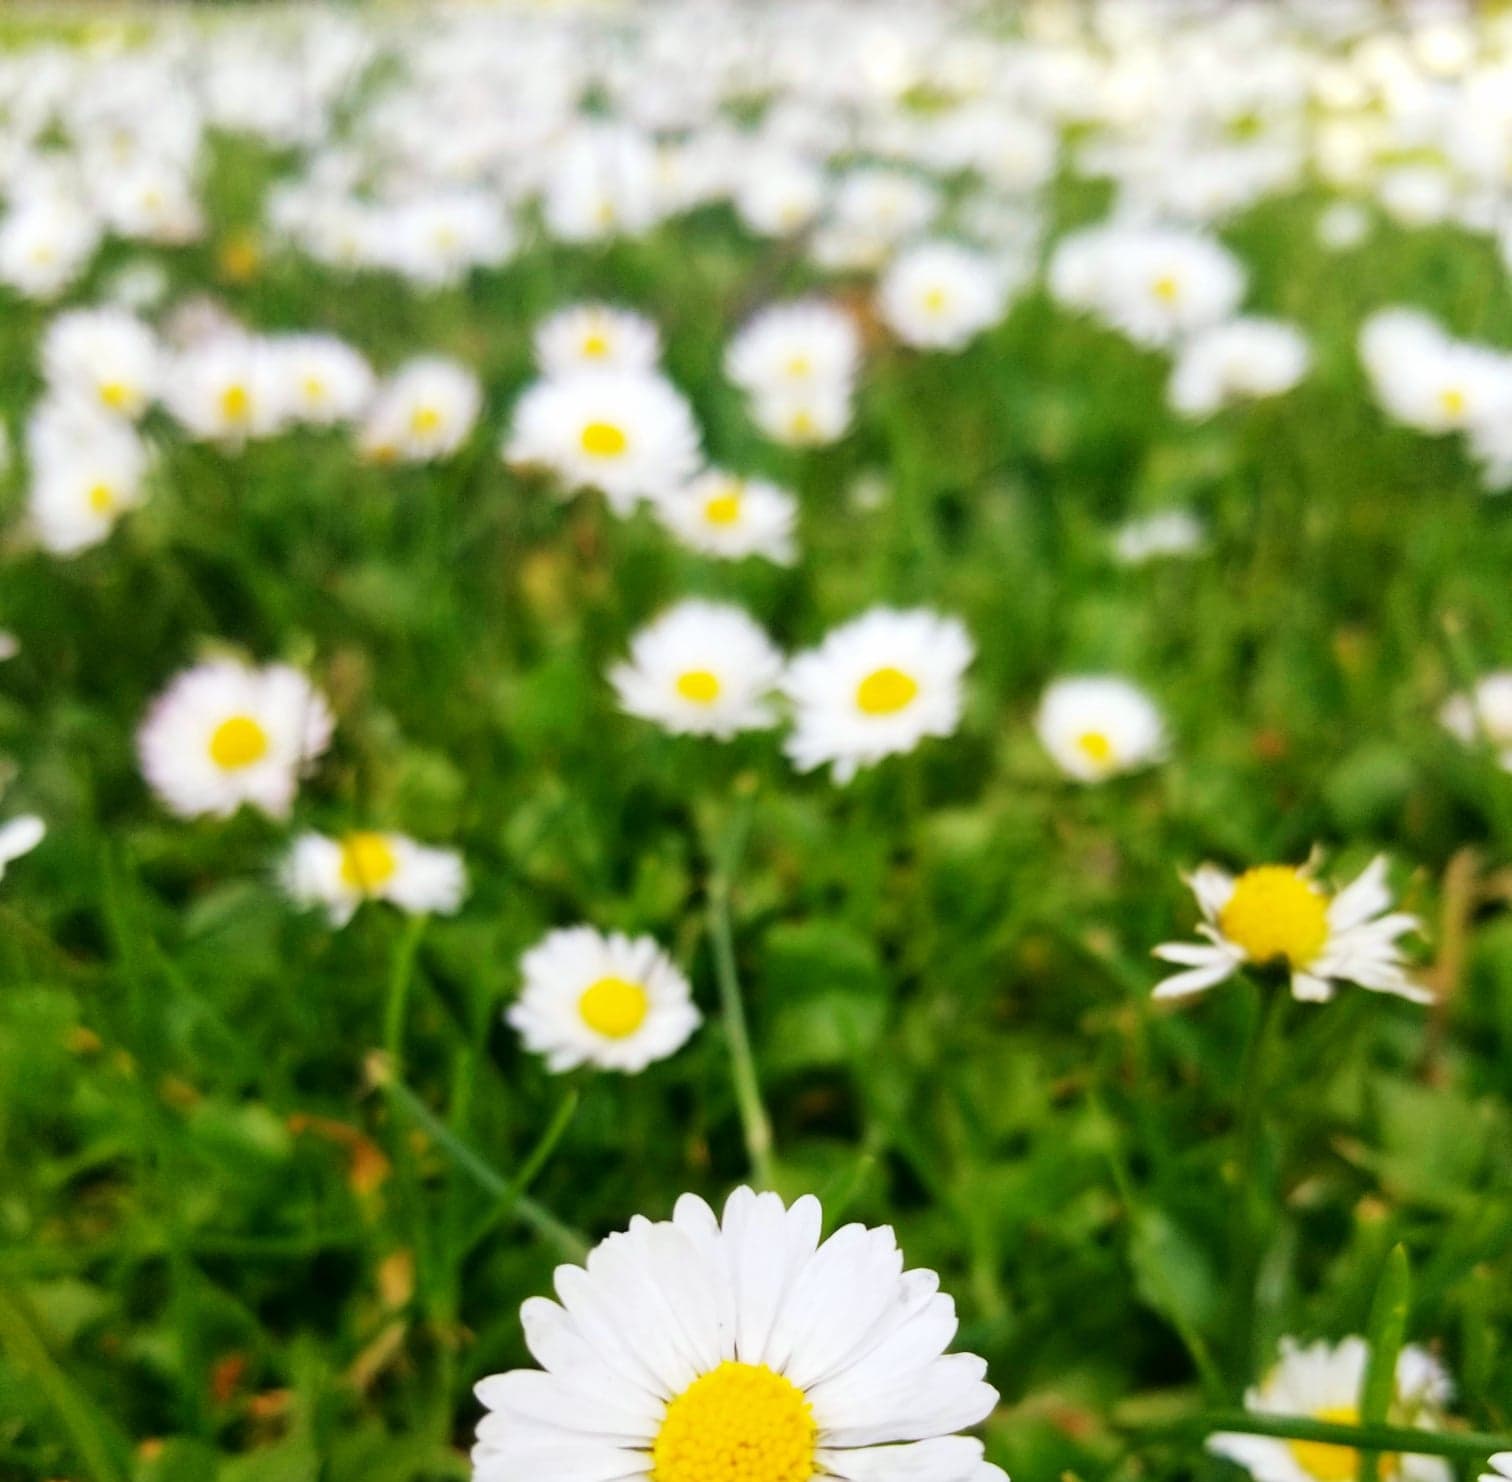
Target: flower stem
x: 754, y: 1121
x: 401, y: 976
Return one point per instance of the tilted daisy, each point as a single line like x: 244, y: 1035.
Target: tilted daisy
x: 108, y: 357
x: 724, y: 515
x: 739, y: 1348
x: 629, y: 434
x: 805, y: 416
x: 1242, y: 360
x: 794, y: 348
x: 1096, y: 726
x: 227, y: 389
x: 1484, y: 714
x: 701, y: 669
x: 1322, y: 1382
x: 366, y: 864
x: 1279, y: 915
x: 613, y: 1001
x: 326, y: 381
x: 226, y: 733
x: 88, y: 470
x: 423, y: 411
x: 875, y: 687
x: 596, y: 337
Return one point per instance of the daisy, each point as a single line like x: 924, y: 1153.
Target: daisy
x: 1501, y: 1467
x: 1278, y: 915
x: 326, y: 381
x: 1243, y: 360
x: 19, y: 836
x: 1169, y: 532
x: 596, y: 337
x: 793, y: 348
x: 341, y: 873
x: 87, y: 471
x: 1097, y: 726
x: 1430, y: 382
x: 424, y: 411
x: 225, y: 733
x: 1322, y: 1382
x: 939, y: 296
x: 601, y: 184
x: 613, y: 1001
x: 805, y: 416
x: 629, y: 434
x: 721, y: 514
x: 875, y: 687
x: 1485, y: 714
x: 107, y: 357
x: 739, y: 1348
x: 700, y: 669
x: 45, y: 243
x: 227, y: 389
x: 778, y: 194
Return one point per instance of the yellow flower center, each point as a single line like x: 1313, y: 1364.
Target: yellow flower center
x: 614, y: 1008
x: 604, y: 440
x: 1096, y: 747
x: 237, y: 742
x: 367, y: 861
x: 935, y: 300
x: 115, y: 394
x: 701, y: 686
x: 801, y: 424
x: 737, y: 1423
x: 1276, y: 913
x: 1329, y: 1463
x: 886, y: 691
x: 799, y: 367
x: 102, y: 499
x: 723, y: 509
x: 235, y: 402
x: 1453, y: 401
x: 314, y: 388
x: 1166, y: 288
x: 424, y: 419
x: 595, y: 345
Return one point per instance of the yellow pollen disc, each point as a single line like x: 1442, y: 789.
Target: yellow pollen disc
x: 424, y: 419
x: 235, y: 403
x: 238, y: 742
x: 799, y: 366
x: 1095, y: 747
x: 115, y: 394
x: 367, y: 861
x: 1334, y: 1463
x: 886, y: 691
x: 801, y: 424
x: 737, y: 1423
x: 701, y: 686
x: 614, y: 1008
x: 102, y: 499
x: 723, y: 509
x: 314, y: 388
x: 605, y: 213
x: 604, y: 440
x: 1453, y: 401
x: 595, y: 346
x: 935, y: 300
x: 1166, y: 289
x: 1276, y: 914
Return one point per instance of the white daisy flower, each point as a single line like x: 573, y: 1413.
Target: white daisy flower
x: 1168, y: 532
x: 739, y: 1348
x: 45, y: 243
x: 87, y: 471
x: 1097, y: 726
x: 940, y: 296
x: 596, y: 337
x: 804, y: 416
x: 701, y: 669
x: 19, y: 836
x: 106, y: 357
x: 366, y: 864
x: 228, y: 388
x: 1501, y: 1468
x: 225, y: 733
x: 326, y: 381
x: 1485, y: 714
x: 724, y: 515
x: 1280, y: 915
x: 1245, y: 359
x: 1430, y: 382
x: 424, y: 411
x: 778, y: 194
x: 613, y: 1001
x: 629, y: 434
x: 876, y: 687
x: 791, y: 348
x: 601, y: 184
x: 1322, y: 1382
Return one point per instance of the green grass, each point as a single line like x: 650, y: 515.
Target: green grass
x: 232, y: 1244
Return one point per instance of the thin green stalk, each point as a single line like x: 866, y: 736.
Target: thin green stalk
x: 401, y: 976
x: 1464, y: 1445
x: 754, y: 1121
x: 1388, y: 1331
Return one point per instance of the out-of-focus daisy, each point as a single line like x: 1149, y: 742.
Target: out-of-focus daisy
x: 701, y: 669
x: 1322, y: 1381
x: 1168, y: 532
x: 424, y: 411
x: 875, y: 687
x: 1429, y: 381
x: 940, y: 296
x: 724, y: 515
x: 596, y: 337
x: 1096, y: 726
x: 367, y: 864
x: 740, y: 1348
x: 778, y: 194
x: 1279, y: 915
x: 792, y: 348
x: 227, y: 389
x: 1342, y: 226
x: 613, y: 1001
x: 1485, y: 714
x: 1243, y: 360
x: 629, y: 434
x: 45, y: 243
x: 19, y: 836
x: 107, y: 357
x: 87, y: 471
x: 225, y: 733
x: 326, y: 381
x: 804, y: 416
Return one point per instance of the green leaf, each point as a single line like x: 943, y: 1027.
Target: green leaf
x: 1388, y: 1331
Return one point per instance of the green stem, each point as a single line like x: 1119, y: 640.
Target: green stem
x: 754, y: 1121
x: 401, y: 976
x: 1393, y: 1438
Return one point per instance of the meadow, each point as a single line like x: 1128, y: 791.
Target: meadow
x: 288, y: 1131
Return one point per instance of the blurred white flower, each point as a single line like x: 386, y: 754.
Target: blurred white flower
x: 366, y: 864
x: 1097, y: 726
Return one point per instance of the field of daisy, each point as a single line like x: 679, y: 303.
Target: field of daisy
x: 756, y: 743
